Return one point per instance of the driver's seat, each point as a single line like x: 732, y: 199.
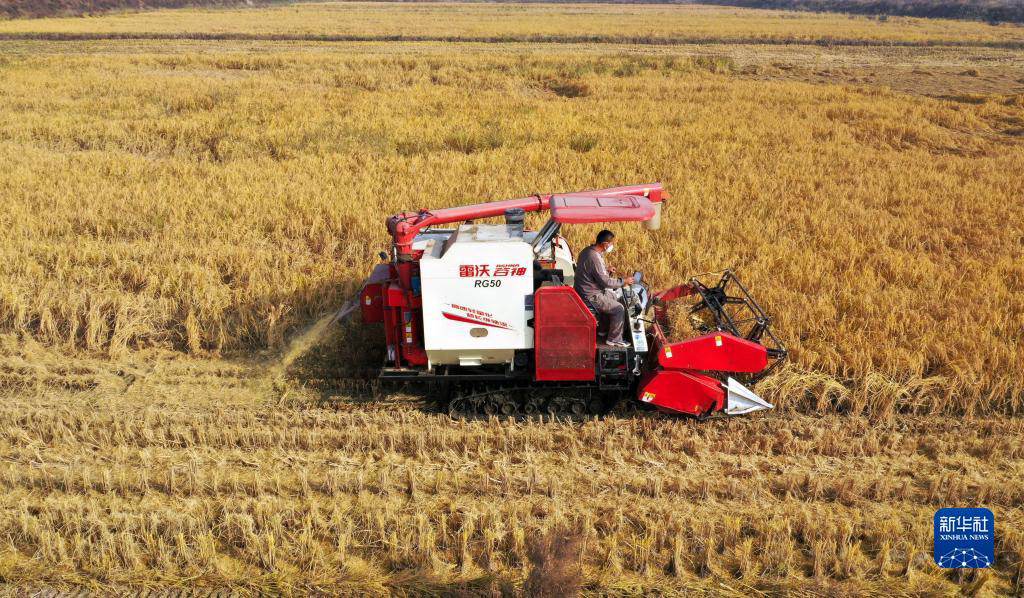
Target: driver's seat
x: 602, y: 322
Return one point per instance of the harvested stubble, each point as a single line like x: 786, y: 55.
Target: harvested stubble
x: 173, y: 470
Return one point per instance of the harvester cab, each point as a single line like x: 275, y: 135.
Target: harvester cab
x: 489, y: 313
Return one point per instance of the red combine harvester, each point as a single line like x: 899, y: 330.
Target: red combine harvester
x: 488, y: 312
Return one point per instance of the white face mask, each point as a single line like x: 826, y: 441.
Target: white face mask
x: 610, y: 249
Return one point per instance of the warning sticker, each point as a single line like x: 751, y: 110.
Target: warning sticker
x: 648, y: 397
x: 668, y: 351
x: 718, y: 341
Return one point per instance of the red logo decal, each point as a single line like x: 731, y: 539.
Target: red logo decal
x: 501, y: 270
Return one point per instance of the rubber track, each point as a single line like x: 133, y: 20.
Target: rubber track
x: 543, y: 393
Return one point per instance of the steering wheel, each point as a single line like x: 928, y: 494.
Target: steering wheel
x: 641, y: 290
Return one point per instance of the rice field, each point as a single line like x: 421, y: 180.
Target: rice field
x: 481, y: 21
x: 177, y: 210
x: 211, y: 203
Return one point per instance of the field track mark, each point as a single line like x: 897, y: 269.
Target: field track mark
x: 506, y: 39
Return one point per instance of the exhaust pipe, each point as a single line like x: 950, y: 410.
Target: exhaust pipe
x: 515, y: 218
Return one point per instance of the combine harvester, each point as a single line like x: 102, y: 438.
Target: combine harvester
x: 488, y: 313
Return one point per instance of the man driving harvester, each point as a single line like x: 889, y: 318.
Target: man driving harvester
x: 594, y: 286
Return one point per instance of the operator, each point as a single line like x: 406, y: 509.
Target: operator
x: 594, y: 285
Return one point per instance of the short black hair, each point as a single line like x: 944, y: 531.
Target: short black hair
x: 605, y: 236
